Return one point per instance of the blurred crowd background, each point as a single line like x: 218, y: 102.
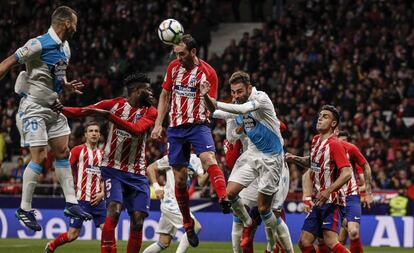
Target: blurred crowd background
x: 356, y: 55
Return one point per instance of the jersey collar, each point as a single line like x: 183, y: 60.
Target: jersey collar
x: 251, y: 94
x: 54, y: 36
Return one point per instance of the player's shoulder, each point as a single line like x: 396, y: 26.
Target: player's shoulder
x: 206, y: 67
x: 335, y: 142
x: 174, y: 63
x: 78, y: 148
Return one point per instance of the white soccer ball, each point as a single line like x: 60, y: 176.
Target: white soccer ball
x: 170, y: 31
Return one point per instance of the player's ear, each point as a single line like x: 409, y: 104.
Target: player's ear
x: 193, y: 52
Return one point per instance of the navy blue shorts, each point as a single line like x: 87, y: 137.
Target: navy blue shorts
x: 127, y: 188
x: 182, y: 138
x: 325, y: 217
x: 98, y: 213
x: 353, y: 208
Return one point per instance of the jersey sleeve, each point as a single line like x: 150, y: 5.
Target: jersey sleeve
x: 163, y: 164
x: 168, y: 81
x: 213, y: 79
x: 139, y: 127
x: 219, y: 114
x: 31, y: 50
x: 338, y: 155
x: 249, y: 106
x: 195, y: 163
x: 74, y: 157
x: 357, y: 156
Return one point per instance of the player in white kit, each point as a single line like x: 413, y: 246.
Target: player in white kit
x: 249, y: 194
x: 263, y: 158
x: 46, y: 58
x: 171, y: 218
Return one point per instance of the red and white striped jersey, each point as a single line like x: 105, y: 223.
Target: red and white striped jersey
x: 187, y: 106
x: 85, y: 164
x: 128, y: 131
x: 356, y: 159
x: 328, y: 157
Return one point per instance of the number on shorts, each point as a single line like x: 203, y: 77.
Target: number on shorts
x: 30, y: 125
x: 108, y: 186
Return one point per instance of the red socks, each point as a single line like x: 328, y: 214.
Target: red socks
x: 108, y: 242
x: 356, y: 246
x: 217, y: 180
x: 323, y: 248
x: 339, y: 248
x: 59, y: 240
x: 181, y: 194
x: 308, y: 249
x: 134, y: 241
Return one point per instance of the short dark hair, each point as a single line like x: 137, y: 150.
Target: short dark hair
x: 92, y: 123
x: 189, y: 41
x: 62, y: 13
x: 135, y: 80
x: 240, y: 77
x: 344, y: 134
x: 334, y: 112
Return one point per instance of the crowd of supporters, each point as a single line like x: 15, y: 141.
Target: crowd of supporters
x: 356, y: 55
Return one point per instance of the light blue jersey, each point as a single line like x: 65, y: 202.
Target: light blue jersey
x: 261, y: 125
x: 46, y: 58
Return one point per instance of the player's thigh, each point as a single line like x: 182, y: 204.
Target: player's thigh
x: 59, y: 146
x: 179, y: 150
x: 312, y: 223
x: 249, y: 195
x: 330, y: 238
x: 353, y: 210
x: 99, y: 213
x: 137, y: 200
x: 243, y: 173
x: 269, y: 169
x: 113, y: 186
x: 283, y: 190
x: 331, y: 216
x: 306, y: 239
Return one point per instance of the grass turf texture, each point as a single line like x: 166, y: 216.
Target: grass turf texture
x: 31, y: 246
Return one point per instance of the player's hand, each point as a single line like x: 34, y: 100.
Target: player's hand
x: 322, y: 197
x: 74, y: 86
x: 240, y: 129
x: 156, y: 132
x: 97, y: 198
x: 159, y: 191
x: 289, y: 157
x: 96, y: 112
x: 307, y: 204
x: 57, y: 106
x: 204, y: 88
x: 368, y: 201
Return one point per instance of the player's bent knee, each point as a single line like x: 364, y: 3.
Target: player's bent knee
x: 62, y: 153
x: 353, y: 234
x: 137, y: 220
x: 114, y: 210
x: 164, y: 240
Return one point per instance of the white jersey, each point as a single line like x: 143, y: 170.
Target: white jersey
x: 261, y: 125
x: 22, y: 86
x: 169, y: 201
x: 46, y: 58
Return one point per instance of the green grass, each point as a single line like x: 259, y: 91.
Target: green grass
x: 34, y: 246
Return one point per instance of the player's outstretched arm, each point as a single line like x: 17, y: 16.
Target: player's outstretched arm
x: 162, y: 110
x: 6, y: 65
x: 303, y: 162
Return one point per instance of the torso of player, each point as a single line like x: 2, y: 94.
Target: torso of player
x: 87, y: 173
x: 262, y: 126
x: 46, y: 58
x: 124, y: 151
x: 324, y: 168
x: 187, y: 106
x: 169, y: 201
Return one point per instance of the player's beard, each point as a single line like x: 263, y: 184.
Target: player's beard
x: 146, y: 99
x: 69, y: 33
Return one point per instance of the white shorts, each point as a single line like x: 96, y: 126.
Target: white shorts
x: 38, y: 124
x: 170, y: 221
x: 249, y: 195
x: 266, y: 168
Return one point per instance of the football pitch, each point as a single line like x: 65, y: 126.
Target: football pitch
x: 31, y: 246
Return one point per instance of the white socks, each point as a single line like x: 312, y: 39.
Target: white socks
x: 284, y: 235
x: 64, y: 173
x: 236, y: 234
x: 240, y: 211
x: 184, y: 244
x: 30, y: 178
x: 154, y: 248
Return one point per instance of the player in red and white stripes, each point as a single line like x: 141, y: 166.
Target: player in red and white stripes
x: 123, y: 164
x: 85, y: 160
x: 188, y: 127
x: 329, y: 170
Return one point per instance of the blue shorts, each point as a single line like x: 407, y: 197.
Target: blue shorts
x: 98, y: 213
x: 182, y: 138
x: 128, y: 189
x: 325, y: 217
x: 353, y: 208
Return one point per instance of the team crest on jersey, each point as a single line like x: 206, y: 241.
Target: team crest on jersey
x: 193, y: 82
x: 137, y: 116
x: 249, y: 122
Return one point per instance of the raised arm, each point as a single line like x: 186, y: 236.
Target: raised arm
x: 6, y: 65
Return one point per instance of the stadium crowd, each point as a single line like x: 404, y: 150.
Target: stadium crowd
x: 357, y: 55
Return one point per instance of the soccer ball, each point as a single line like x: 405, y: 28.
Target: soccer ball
x: 170, y: 31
